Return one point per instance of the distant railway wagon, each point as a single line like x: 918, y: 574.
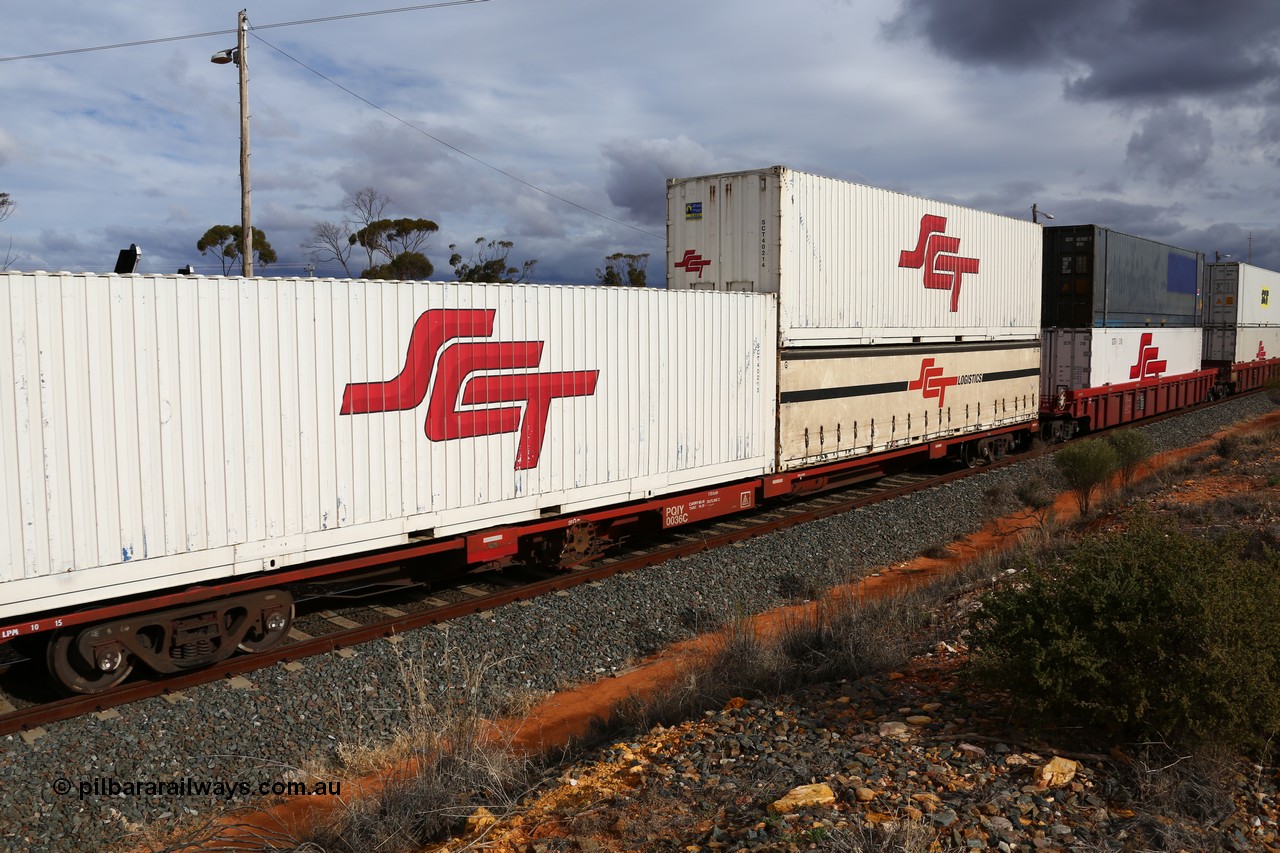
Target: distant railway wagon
x: 1242, y: 323
x: 1076, y: 359
x: 1103, y: 377
x: 1122, y: 330
x: 179, y: 450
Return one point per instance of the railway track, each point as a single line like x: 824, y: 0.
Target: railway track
x: 386, y: 610
x: 323, y: 627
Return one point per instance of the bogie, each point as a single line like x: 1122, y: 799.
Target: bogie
x: 100, y: 656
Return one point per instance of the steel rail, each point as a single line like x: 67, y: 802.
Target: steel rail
x: 712, y: 534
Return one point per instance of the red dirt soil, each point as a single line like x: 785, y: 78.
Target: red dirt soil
x: 569, y: 714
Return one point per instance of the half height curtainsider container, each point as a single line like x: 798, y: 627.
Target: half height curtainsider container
x: 835, y: 404
x: 853, y: 264
x: 1076, y: 359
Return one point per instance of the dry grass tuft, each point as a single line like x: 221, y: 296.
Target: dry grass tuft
x: 1196, y: 785
x: 446, y: 763
x: 899, y: 836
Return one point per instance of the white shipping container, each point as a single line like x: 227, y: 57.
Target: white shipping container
x: 157, y: 431
x: 1241, y: 295
x: 840, y: 403
x: 1241, y: 344
x: 853, y: 264
x: 1076, y: 359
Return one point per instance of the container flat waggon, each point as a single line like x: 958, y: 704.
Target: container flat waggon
x: 179, y: 450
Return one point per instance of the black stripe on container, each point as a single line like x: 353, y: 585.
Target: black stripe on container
x: 997, y: 375
x: 842, y: 392
x: 810, y: 395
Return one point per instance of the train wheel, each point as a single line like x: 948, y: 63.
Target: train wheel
x: 582, y: 543
x: 273, y: 626
x: 74, y: 674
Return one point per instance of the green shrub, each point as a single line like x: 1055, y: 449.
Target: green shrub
x: 1148, y: 632
x: 1085, y: 466
x: 1132, y: 449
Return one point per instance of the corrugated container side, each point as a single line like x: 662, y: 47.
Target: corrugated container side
x: 841, y: 403
x: 1241, y: 295
x: 854, y: 264
x: 1238, y: 344
x: 1096, y: 277
x: 1076, y: 359
x: 166, y: 430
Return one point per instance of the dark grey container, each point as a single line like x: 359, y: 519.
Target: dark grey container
x: 1096, y: 277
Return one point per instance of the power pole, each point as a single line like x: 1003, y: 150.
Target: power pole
x: 246, y: 220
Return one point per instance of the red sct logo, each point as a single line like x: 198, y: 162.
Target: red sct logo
x: 1149, y: 361
x: 935, y: 253
x: 932, y: 382
x: 465, y: 374
x: 692, y: 262
x: 1262, y: 352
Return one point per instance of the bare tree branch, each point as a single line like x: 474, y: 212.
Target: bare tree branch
x: 329, y: 242
x: 365, y: 207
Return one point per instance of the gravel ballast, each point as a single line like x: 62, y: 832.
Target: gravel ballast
x: 97, y: 781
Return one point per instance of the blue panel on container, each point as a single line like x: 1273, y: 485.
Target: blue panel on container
x: 1182, y: 274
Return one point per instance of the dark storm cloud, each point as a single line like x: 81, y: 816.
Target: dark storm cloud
x: 1011, y: 198
x: 1156, y: 222
x: 1173, y: 143
x: 638, y: 171
x: 1257, y: 246
x: 1005, y: 33
x: 1110, y: 49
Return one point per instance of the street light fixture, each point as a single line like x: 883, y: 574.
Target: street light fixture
x: 224, y: 57
x: 1036, y: 212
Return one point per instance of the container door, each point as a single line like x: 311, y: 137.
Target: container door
x: 1221, y: 302
x: 722, y: 233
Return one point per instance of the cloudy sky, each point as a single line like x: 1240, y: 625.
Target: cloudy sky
x: 554, y: 124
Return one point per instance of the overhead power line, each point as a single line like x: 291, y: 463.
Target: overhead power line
x: 74, y: 50
x: 451, y: 147
x: 253, y: 31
